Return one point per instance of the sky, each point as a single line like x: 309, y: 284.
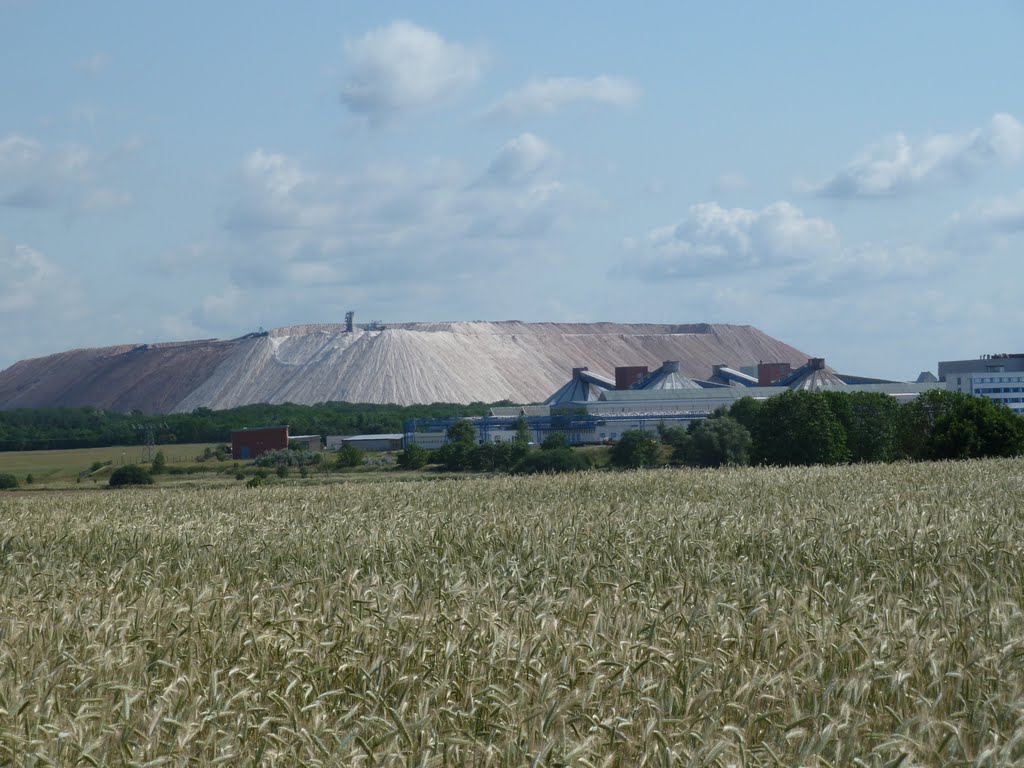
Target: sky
x: 848, y: 178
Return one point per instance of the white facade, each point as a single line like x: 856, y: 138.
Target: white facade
x: 1006, y: 387
x: 385, y: 442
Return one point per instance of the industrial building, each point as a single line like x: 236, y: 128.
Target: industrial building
x: 385, y: 442
x: 251, y: 443
x: 313, y: 443
x: 591, y: 409
x: 997, y: 377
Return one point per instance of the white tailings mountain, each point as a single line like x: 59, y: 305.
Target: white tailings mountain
x: 458, y: 362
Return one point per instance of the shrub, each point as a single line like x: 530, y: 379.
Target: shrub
x: 8, y: 481
x: 29, y: 479
x: 413, y: 457
x: 349, y: 456
x: 130, y: 474
x: 636, y: 449
x: 716, y: 442
x: 554, y: 441
x: 288, y: 457
x: 254, y: 482
x: 282, y: 470
x: 551, y: 461
x: 462, y: 432
x: 159, y: 463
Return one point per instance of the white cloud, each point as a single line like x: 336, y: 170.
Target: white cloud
x: 393, y: 224
x: 998, y: 215
x: 898, y: 165
x: 519, y: 161
x: 714, y: 239
x: 403, y: 66
x: 34, y: 175
x: 552, y: 94
x: 779, y: 247
x: 996, y: 224
x: 27, y: 277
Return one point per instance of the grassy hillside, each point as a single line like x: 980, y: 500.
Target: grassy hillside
x: 866, y: 615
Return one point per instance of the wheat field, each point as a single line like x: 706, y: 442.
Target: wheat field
x: 867, y: 615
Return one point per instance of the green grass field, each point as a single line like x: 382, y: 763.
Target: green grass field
x: 839, y: 616
x: 48, y: 466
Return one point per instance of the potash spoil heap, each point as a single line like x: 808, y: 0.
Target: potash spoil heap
x: 459, y: 362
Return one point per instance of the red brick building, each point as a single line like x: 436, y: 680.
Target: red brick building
x: 252, y: 442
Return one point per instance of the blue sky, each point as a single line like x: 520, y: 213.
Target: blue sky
x: 848, y: 178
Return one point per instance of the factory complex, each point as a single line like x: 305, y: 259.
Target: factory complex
x: 593, y: 409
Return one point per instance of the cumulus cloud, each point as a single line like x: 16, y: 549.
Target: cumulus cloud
x: 403, y: 66
x: 552, y: 94
x: 998, y: 215
x: 779, y: 246
x: 27, y: 276
x: 391, y: 224
x: 987, y: 225
x: 35, y: 175
x: 899, y: 165
x: 712, y: 239
x: 519, y: 161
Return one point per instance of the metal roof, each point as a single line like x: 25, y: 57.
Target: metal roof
x: 812, y: 376
x: 513, y: 411
x: 585, y: 386
x: 666, y: 377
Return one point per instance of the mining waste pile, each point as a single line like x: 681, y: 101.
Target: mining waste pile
x: 458, y: 362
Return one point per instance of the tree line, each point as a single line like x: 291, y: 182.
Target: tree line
x: 801, y: 428
x: 794, y: 428
x: 64, y: 428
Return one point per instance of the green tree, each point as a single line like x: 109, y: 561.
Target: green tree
x: 745, y: 411
x: 8, y: 481
x: 507, y: 455
x: 940, y: 424
x: 455, y: 456
x: 159, y: 463
x: 462, y: 432
x: 130, y: 474
x: 413, y: 457
x: 798, y: 428
x: 349, y: 456
x: 678, y: 439
x: 975, y: 427
x: 636, y: 449
x: 522, y: 431
x: 871, y: 422
x: 551, y: 460
x: 554, y: 441
x: 716, y: 442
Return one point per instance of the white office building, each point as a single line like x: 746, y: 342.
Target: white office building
x: 997, y: 377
